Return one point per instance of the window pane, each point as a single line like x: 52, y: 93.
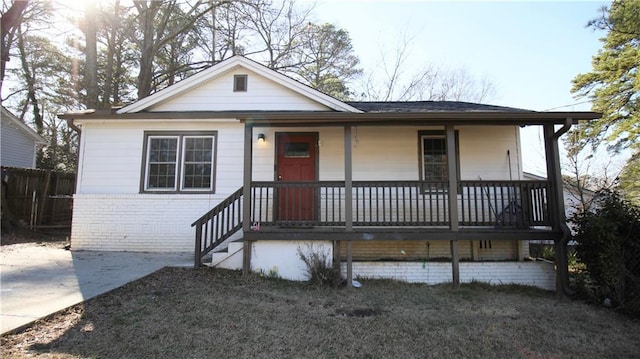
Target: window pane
x: 296, y: 149
x: 197, y: 176
x: 161, y: 164
x: 198, y: 163
x: 434, y: 158
x: 162, y: 176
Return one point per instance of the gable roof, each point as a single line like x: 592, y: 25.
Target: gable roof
x: 228, y: 65
x: 16, y: 123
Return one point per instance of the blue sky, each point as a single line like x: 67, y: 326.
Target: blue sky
x: 530, y: 51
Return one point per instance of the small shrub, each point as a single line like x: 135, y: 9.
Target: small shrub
x: 319, y: 268
x: 271, y: 273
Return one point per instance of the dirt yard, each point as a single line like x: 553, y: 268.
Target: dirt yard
x: 53, y: 237
x: 186, y: 313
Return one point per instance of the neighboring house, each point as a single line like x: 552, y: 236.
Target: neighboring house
x: 572, y: 201
x: 264, y: 166
x: 570, y: 193
x: 19, y: 142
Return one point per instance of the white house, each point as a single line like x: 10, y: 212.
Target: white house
x: 246, y: 162
x: 19, y: 142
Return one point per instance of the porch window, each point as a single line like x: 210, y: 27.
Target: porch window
x: 182, y: 162
x: 433, y: 156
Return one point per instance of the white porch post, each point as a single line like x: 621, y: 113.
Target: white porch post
x: 453, y: 201
x: 246, y: 197
x: 348, y: 197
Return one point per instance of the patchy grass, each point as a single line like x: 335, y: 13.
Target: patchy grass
x: 186, y: 313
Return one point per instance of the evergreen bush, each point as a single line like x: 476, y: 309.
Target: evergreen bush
x: 608, y: 243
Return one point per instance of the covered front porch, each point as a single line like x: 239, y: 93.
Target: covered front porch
x: 346, y: 211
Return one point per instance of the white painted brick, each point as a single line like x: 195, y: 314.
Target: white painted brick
x: 537, y: 274
x: 138, y: 222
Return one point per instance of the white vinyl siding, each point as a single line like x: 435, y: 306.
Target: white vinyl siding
x: 111, y: 213
x: 218, y: 95
x: 18, y: 147
x: 391, y: 153
x: 112, y: 159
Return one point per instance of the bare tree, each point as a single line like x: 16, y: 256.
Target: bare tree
x: 585, y: 176
x: 162, y: 23
x: 9, y: 24
x: 116, y: 55
x: 390, y: 80
x: 91, y: 54
x: 276, y: 31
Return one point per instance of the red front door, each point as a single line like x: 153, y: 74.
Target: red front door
x: 296, y: 161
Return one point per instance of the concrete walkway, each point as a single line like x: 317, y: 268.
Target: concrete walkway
x: 36, y: 281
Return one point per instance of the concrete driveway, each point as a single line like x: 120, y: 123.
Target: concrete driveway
x: 36, y: 281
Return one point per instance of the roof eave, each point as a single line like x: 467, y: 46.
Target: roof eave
x: 519, y: 118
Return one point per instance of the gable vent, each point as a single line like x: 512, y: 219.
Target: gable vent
x: 239, y: 83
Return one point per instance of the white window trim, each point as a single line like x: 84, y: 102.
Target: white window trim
x: 182, y: 165
x: 148, y: 164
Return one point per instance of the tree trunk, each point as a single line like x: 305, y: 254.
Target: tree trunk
x: 31, y: 86
x: 91, y: 55
x: 9, y: 23
x: 112, y: 47
x: 145, y: 76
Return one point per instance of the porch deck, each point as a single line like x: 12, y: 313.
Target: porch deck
x: 401, y: 233
x: 382, y: 210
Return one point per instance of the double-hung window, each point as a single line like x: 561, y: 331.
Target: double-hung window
x: 433, y: 156
x: 179, y: 162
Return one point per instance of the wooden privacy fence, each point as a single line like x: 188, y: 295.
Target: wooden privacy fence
x: 39, y: 197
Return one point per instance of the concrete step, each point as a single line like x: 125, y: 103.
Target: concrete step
x: 218, y: 256
x: 229, y: 258
x: 235, y: 246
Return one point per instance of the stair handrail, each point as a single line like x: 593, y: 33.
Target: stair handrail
x: 225, y: 219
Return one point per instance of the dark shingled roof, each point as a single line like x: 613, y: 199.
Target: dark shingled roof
x: 430, y: 106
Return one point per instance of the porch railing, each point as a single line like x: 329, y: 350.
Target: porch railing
x: 518, y: 204
x: 217, y: 225
x: 503, y: 203
x: 515, y: 204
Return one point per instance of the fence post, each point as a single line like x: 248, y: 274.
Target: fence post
x: 43, y: 197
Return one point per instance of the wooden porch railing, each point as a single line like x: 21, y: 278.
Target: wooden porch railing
x: 217, y: 225
x: 513, y: 204
x: 518, y: 204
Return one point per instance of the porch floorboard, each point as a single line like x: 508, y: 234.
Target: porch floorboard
x: 400, y: 233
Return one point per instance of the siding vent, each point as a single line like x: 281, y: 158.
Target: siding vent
x: 239, y: 83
